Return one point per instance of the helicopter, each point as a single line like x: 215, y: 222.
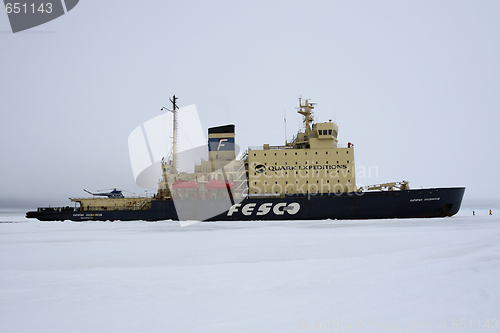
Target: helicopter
x: 114, y: 193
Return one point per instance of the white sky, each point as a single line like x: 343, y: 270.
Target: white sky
x: 415, y: 85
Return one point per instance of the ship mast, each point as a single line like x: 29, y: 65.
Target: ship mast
x: 174, y: 137
x: 305, y: 109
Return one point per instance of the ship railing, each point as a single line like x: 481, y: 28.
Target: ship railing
x: 345, y: 145
x: 267, y: 195
x: 103, y: 197
x: 270, y: 147
x: 108, y: 208
x: 244, y: 155
x: 56, y: 209
x: 339, y: 145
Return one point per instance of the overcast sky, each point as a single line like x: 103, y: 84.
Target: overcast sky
x: 415, y: 85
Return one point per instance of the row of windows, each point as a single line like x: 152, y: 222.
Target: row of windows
x: 297, y: 192
x: 316, y: 153
x: 297, y: 172
x: 325, y: 132
x: 286, y: 163
x: 296, y: 182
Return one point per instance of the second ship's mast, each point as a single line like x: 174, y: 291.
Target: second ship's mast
x: 305, y: 109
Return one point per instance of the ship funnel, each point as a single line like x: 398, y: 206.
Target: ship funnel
x: 221, y: 147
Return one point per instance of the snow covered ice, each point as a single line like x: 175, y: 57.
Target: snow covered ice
x: 251, y: 276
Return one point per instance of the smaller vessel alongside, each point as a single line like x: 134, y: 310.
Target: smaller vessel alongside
x: 309, y: 178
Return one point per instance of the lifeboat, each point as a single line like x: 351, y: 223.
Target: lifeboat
x: 185, y: 184
x: 219, y: 184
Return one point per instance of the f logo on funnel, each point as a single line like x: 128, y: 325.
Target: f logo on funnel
x: 25, y: 15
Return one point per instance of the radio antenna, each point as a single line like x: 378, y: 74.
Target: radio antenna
x: 284, y: 113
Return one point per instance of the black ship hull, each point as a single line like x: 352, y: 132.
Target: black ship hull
x: 418, y: 203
